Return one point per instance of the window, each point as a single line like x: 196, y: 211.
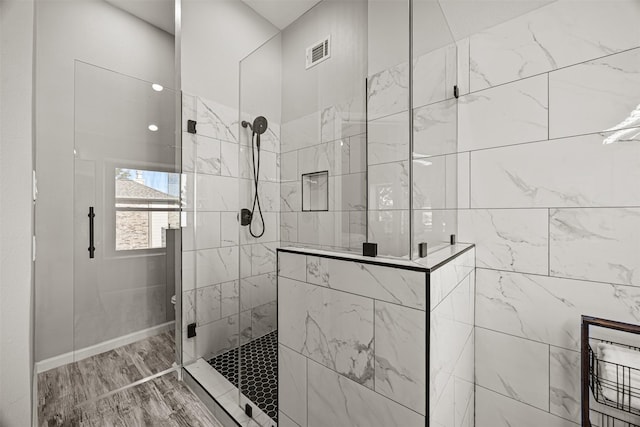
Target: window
x: 147, y: 203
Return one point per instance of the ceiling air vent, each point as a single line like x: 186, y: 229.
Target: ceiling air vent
x: 318, y: 52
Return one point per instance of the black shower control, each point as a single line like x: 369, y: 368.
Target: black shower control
x: 191, y: 126
x: 456, y: 91
x: 370, y: 249
x: 191, y: 330
x: 245, y: 217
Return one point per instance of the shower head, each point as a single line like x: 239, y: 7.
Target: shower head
x: 259, y: 126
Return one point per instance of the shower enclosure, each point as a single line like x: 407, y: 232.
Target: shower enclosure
x: 357, y: 149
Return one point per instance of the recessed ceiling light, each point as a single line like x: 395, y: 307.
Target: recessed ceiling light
x: 157, y: 87
x: 153, y: 128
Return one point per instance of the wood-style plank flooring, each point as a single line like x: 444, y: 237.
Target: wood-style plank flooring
x: 67, y: 395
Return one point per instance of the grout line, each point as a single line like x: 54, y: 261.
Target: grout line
x: 549, y: 71
x: 549, y: 242
x: 557, y: 277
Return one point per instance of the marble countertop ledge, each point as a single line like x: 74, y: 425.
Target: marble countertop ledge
x: 431, y: 262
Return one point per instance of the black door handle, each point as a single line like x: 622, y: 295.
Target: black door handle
x: 92, y: 249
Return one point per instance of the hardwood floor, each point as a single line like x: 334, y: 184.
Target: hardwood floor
x: 67, y: 395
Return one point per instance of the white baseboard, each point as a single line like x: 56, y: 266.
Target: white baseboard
x: 74, y: 356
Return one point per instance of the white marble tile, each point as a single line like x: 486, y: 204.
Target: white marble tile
x: 448, y: 341
x: 229, y: 159
x: 451, y: 181
x: 264, y: 319
x: 564, y: 386
x: 229, y: 229
x: 510, y: 303
x: 390, y: 230
x: 289, y: 226
x: 445, y: 279
x: 393, y: 285
x: 552, y: 37
x: 217, y: 121
x: 292, y: 266
x: 269, y: 194
x: 213, y: 381
x: 205, y: 228
x: 208, y: 304
x: 400, y: 365
x: 331, y: 327
x: 188, y: 307
x: 358, y: 153
x: 513, y: 367
x: 329, y: 391
x: 595, y: 96
x: 578, y: 171
x: 463, y: 181
x: 429, y: 182
x: 188, y: 270
x: 388, y: 92
x: 435, y: 129
x: 388, y: 139
x: 214, y: 338
x: 270, y: 229
x: 508, y: 239
x: 207, y: 155
x: 429, y: 77
x: 301, y: 132
x: 292, y: 385
x: 504, y: 115
x: 268, y: 164
x: 451, y: 69
x: 290, y: 197
x: 270, y: 140
x: 289, y: 166
x: 463, y: 65
x: 341, y: 156
x: 495, y: 410
x: 229, y: 294
x: 389, y: 186
x: 216, y: 193
x: 263, y: 258
x: 216, y: 265
x: 318, y: 158
x: 596, y: 244
x: 317, y: 272
x: 285, y: 421
x: 442, y: 410
x: 464, y: 403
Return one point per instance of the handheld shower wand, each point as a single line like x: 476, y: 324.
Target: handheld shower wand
x: 259, y: 127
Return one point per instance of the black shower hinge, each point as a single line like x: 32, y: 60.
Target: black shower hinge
x: 191, y: 330
x: 456, y: 91
x: 191, y: 126
x: 248, y: 410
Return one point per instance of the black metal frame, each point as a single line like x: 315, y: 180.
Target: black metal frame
x: 302, y: 191
x: 587, y: 360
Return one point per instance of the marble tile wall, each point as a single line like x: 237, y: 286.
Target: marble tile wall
x: 333, y: 140
x: 548, y: 165
x: 352, y: 343
x: 223, y: 263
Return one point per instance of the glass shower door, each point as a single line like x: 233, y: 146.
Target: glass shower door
x: 126, y: 207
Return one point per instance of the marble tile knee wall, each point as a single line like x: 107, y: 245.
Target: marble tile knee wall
x: 355, y: 333
x: 548, y: 161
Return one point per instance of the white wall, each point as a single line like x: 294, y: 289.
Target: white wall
x: 216, y: 35
x: 95, y: 32
x: 16, y: 212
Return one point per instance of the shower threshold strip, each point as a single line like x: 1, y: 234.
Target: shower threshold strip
x: 128, y: 386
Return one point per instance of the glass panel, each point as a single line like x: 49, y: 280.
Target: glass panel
x: 435, y: 127
x: 125, y: 171
x: 260, y: 142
